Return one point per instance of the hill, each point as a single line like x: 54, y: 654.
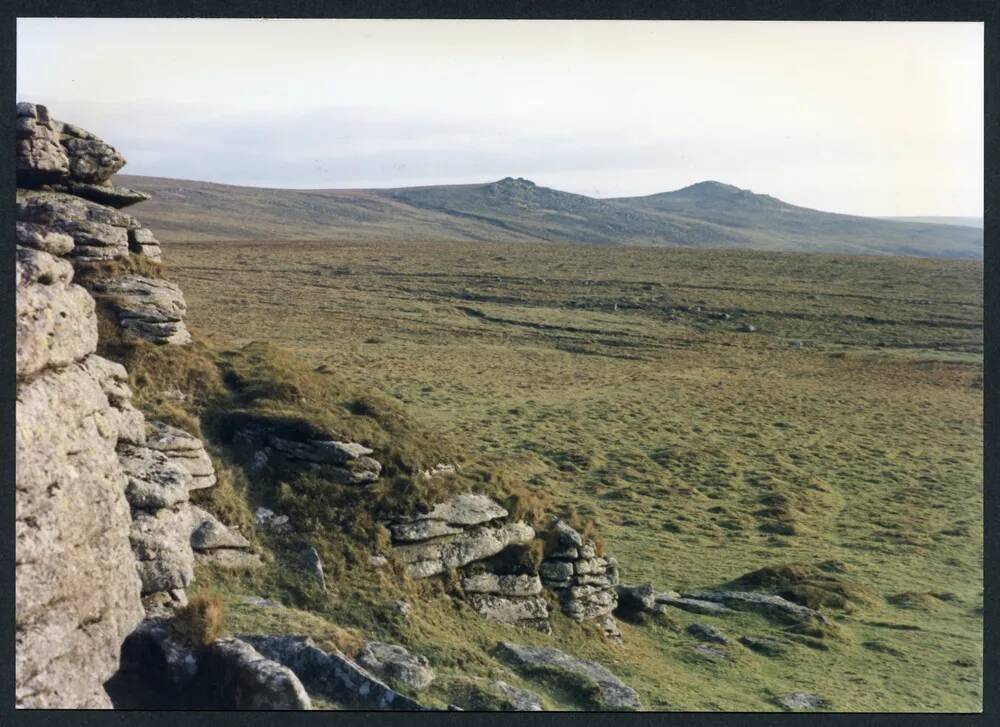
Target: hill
x: 708, y: 214
x: 960, y: 221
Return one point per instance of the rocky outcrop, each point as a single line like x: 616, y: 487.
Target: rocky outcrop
x: 103, y: 522
x: 584, y: 581
x: 151, y: 308
x: 395, y: 663
x: 454, y: 533
x: 344, y: 462
x: 184, y: 450
x: 331, y: 673
x: 76, y: 589
x: 596, y: 686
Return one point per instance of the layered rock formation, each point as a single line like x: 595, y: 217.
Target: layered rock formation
x: 76, y: 586
x: 104, y: 526
x: 584, y: 581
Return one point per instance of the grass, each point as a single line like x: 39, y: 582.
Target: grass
x: 601, y: 383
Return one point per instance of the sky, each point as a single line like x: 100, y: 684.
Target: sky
x: 862, y: 118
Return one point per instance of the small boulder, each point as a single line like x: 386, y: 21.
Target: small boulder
x: 395, y: 663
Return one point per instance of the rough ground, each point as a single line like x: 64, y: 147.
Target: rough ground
x: 846, y: 426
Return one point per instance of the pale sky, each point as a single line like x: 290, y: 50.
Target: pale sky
x: 864, y: 118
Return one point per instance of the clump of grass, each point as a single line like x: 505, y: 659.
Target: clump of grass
x: 227, y: 499
x: 809, y: 585
x: 200, y: 622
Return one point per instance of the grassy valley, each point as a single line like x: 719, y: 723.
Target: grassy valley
x: 711, y: 412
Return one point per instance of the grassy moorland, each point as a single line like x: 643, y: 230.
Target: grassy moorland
x: 624, y: 385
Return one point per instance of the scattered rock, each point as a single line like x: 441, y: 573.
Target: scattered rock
x: 773, y: 606
x: 395, y: 663
x: 694, y: 605
x: 598, y: 687
x: 748, y: 328
x: 802, y: 700
x: 314, y: 565
x: 216, y: 544
x: 266, y: 519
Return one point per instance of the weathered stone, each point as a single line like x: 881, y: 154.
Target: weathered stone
x: 320, y: 451
x: 635, y: 598
x: 154, y: 482
x: 451, y: 551
x: 566, y: 536
x: 71, y: 532
x: 694, y: 605
x: 91, y: 160
x: 391, y: 661
x: 210, y: 534
x: 332, y: 673
x: 602, y: 582
x: 43, y: 238
x: 55, y: 322
x: 802, y: 700
x: 556, y: 571
x: 40, y: 156
x: 774, y: 606
x: 244, y: 679
x: 162, y: 546
x: 183, y: 449
x: 107, y: 194
x: 598, y: 687
x: 466, y: 509
x: 153, y: 651
x: 150, y: 308
x: 531, y: 612
x: 422, y: 530
x: 506, y: 585
x: 520, y: 700
x: 585, y: 566
x: 588, y: 602
x: 113, y: 379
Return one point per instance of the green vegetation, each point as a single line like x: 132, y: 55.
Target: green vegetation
x: 833, y: 455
